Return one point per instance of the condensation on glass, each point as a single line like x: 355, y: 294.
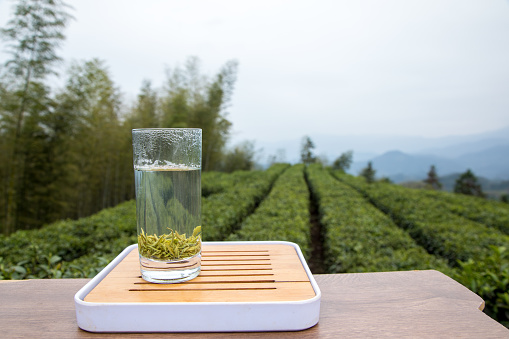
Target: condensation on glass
x: 167, y: 170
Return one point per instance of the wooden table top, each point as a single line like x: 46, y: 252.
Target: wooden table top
x: 360, y: 305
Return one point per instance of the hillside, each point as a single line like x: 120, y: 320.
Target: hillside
x: 404, y: 158
x: 399, y: 166
x: 361, y: 228
x: 491, y: 163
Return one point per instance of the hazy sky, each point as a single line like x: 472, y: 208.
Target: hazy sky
x: 355, y: 67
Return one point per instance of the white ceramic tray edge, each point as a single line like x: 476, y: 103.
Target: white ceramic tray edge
x: 212, y: 316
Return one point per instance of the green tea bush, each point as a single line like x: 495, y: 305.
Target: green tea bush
x: 360, y: 238
x: 429, y: 221
x: 490, y: 280
x: 359, y: 223
x: 87, y: 266
x: 41, y: 253
x: 212, y: 182
x: 217, y: 182
x: 283, y: 215
x: 488, y: 212
x: 223, y: 212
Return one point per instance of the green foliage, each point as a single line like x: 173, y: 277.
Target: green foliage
x: 96, y: 163
x: 504, y: 198
x: 283, y: 215
x: 145, y: 113
x: 467, y: 184
x: 58, y: 244
x: 344, y: 161
x: 414, y: 184
x: 38, y: 265
x: 68, y: 154
x: 385, y: 180
x: 306, y: 151
x: 366, y: 227
x: 488, y: 212
x: 223, y: 213
x: 213, y: 182
x: 190, y: 99
x: 432, y: 180
x: 360, y: 238
x: 489, y: 278
x: 368, y: 173
x: 430, y: 222
x: 241, y: 157
x: 74, y: 154
x: 34, y: 33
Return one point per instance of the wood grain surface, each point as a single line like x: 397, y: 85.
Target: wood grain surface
x: 230, y: 273
x: 412, y: 304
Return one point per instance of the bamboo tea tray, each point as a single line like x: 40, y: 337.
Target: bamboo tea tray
x: 243, y: 286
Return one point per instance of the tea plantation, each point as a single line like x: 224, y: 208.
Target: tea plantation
x: 354, y: 227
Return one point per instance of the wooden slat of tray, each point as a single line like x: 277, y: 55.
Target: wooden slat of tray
x: 230, y: 273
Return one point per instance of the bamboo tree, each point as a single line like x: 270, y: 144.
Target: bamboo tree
x: 193, y: 100
x: 33, y: 203
x: 212, y: 116
x: 94, y: 101
x: 62, y: 163
x: 33, y: 36
x: 35, y: 33
x: 145, y: 112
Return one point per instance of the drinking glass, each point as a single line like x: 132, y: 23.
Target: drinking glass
x: 167, y: 172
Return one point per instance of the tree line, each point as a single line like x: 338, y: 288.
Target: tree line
x: 467, y: 182
x: 67, y: 153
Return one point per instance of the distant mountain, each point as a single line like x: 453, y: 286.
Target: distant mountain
x: 491, y: 163
x: 458, y: 150
x: 399, y: 166
x: 403, y: 158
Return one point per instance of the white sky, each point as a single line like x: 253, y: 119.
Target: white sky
x: 307, y: 67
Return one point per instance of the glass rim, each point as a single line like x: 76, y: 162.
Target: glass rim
x: 164, y: 129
